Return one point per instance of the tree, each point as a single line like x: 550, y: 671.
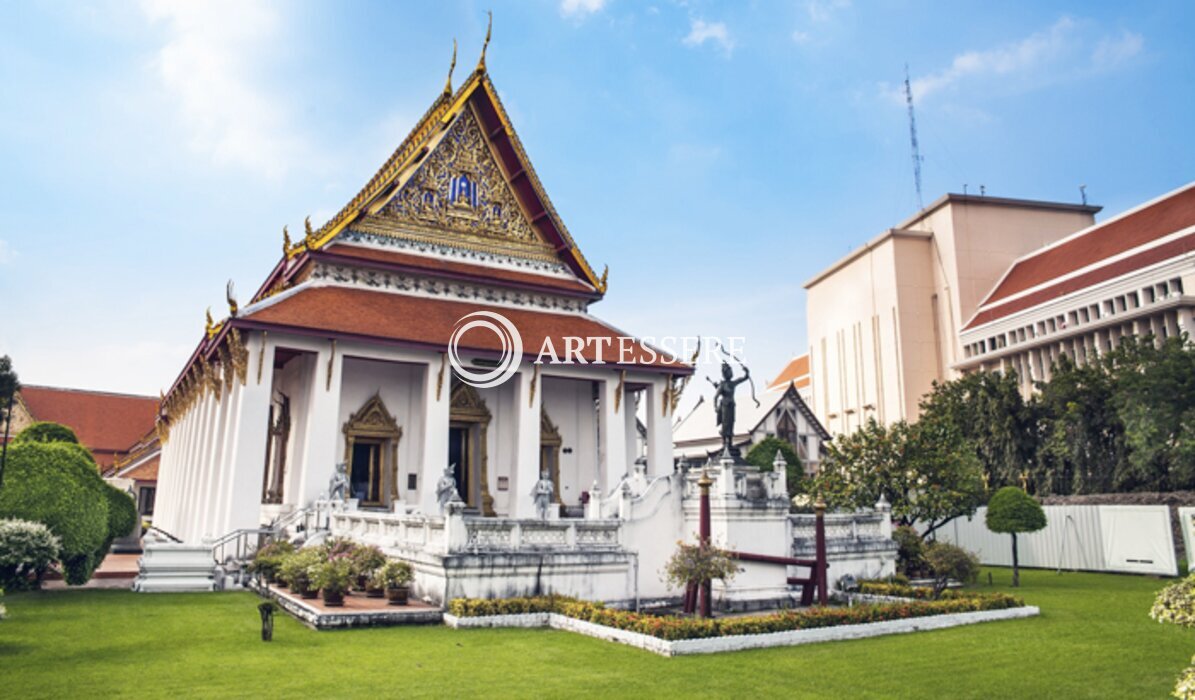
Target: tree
x: 57, y: 484
x: 763, y: 453
x: 986, y: 410
x: 45, y: 431
x: 9, y: 385
x: 1012, y: 510
x: 950, y: 562
x: 926, y: 472
x: 1155, y: 399
x: 1082, y: 437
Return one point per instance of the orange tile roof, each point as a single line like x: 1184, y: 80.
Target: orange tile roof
x: 106, y: 423
x: 1098, y: 243
x: 429, y: 323
x: 147, y: 471
x: 796, y: 371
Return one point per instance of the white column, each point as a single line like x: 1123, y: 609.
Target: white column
x: 436, y: 405
x: 324, y: 444
x: 527, y: 422
x: 208, y: 496
x: 613, y: 428
x: 241, y: 497
x: 224, y: 462
x: 659, y: 430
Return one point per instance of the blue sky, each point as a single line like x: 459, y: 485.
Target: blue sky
x: 715, y: 155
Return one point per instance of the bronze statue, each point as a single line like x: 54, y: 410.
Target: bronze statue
x: 724, y: 405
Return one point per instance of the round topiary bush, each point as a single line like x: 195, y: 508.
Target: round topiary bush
x: 57, y: 484
x: 122, y: 512
x: 45, y: 431
x: 1012, y: 510
x: 26, y: 550
x: 950, y: 562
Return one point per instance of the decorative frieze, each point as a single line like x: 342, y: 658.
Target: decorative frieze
x: 452, y: 290
x: 450, y: 252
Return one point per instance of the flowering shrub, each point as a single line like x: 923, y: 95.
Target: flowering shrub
x: 366, y: 560
x: 696, y: 563
x: 672, y: 627
x: 26, y: 549
x: 1176, y: 603
x: 332, y: 575
x: 296, y: 568
x: 392, y: 574
x: 268, y: 560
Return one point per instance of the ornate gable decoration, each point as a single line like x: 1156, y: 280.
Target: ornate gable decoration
x: 460, y: 189
x: 373, y: 420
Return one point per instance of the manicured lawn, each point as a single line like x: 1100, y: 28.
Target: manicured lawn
x: 1093, y: 639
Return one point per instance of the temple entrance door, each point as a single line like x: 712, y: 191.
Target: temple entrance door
x: 365, y: 472
x: 469, y: 421
x: 371, y: 438
x: 458, y: 458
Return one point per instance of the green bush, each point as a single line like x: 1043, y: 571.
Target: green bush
x: 296, y: 568
x: 45, y: 431
x: 697, y: 563
x: 366, y: 560
x: 57, y: 485
x: 392, y: 574
x: 763, y: 453
x: 26, y: 549
x: 949, y: 562
x: 672, y: 627
x: 910, y: 559
x: 268, y: 560
x: 332, y: 575
x: 122, y: 512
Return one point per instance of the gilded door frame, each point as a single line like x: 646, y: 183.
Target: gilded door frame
x: 468, y: 410
x: 549, y: 437
x: 373, y: 422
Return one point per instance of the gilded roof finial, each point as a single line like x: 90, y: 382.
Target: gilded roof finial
x: 605, y: 276
x: 210, y: 325
x: 488, y: 29
x: 308, y: 230
x: 230, y: 295
x: 452, y: 67
x: 286, y: 245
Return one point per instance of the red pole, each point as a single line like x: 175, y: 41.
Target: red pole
x: 704, y: 532
x: 819, y: 573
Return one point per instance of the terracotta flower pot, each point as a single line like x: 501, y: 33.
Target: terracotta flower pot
x: 398, y: 595
x: 371, y: 592
x: 333, y: 598
x: 304, y: 590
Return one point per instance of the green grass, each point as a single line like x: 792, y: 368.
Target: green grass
x: 1093, y: 639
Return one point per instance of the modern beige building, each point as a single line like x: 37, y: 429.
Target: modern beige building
x: 884, y: 322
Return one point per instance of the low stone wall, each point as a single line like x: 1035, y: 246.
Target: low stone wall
x: 714, y: 645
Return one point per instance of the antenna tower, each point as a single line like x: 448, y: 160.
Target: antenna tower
x: 913, y: 139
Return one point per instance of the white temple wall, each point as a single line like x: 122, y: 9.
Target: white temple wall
x: 400, y: 388
x: 295, y: 380
x: 502, y: 446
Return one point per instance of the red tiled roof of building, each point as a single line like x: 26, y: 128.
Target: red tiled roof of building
x: 1149, y: 223
x: 429, y: 323
x: 796, y: 372
x: 431, y: 265
x: 146, y: 471
x: 106, y: 423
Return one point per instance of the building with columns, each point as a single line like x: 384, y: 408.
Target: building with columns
x: 1132, y: 275
x: 362, y: 348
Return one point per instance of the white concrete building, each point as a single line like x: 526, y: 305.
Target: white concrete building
x: 1132, y: 275
x: 884, y: 322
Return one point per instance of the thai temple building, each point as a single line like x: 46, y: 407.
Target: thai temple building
x: 360, y: 391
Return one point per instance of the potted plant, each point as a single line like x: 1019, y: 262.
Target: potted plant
x: 366, y: 560
x: 332, y: 577
x: 296, y: 571
x: 395, y: 577
x: 268, y: 560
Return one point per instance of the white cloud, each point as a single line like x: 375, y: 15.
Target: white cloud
x: 1112, y: 51
x: 207, y: 65
x: 580, y: 8
x: 821, y: 11
x: 1058, y: 53
x: 701, y: 31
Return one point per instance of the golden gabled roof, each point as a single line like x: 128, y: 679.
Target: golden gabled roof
x: 443, y: 110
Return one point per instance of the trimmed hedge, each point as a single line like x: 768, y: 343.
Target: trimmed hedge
x: 122, y: 512
x: 57, y: 484
x: 45, y: 431
x: 672, y: 628
x: 896, y: 590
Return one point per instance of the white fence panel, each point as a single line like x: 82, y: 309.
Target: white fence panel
x: 1130, y: 539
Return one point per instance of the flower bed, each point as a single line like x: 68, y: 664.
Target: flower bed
x: 674, y: 628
